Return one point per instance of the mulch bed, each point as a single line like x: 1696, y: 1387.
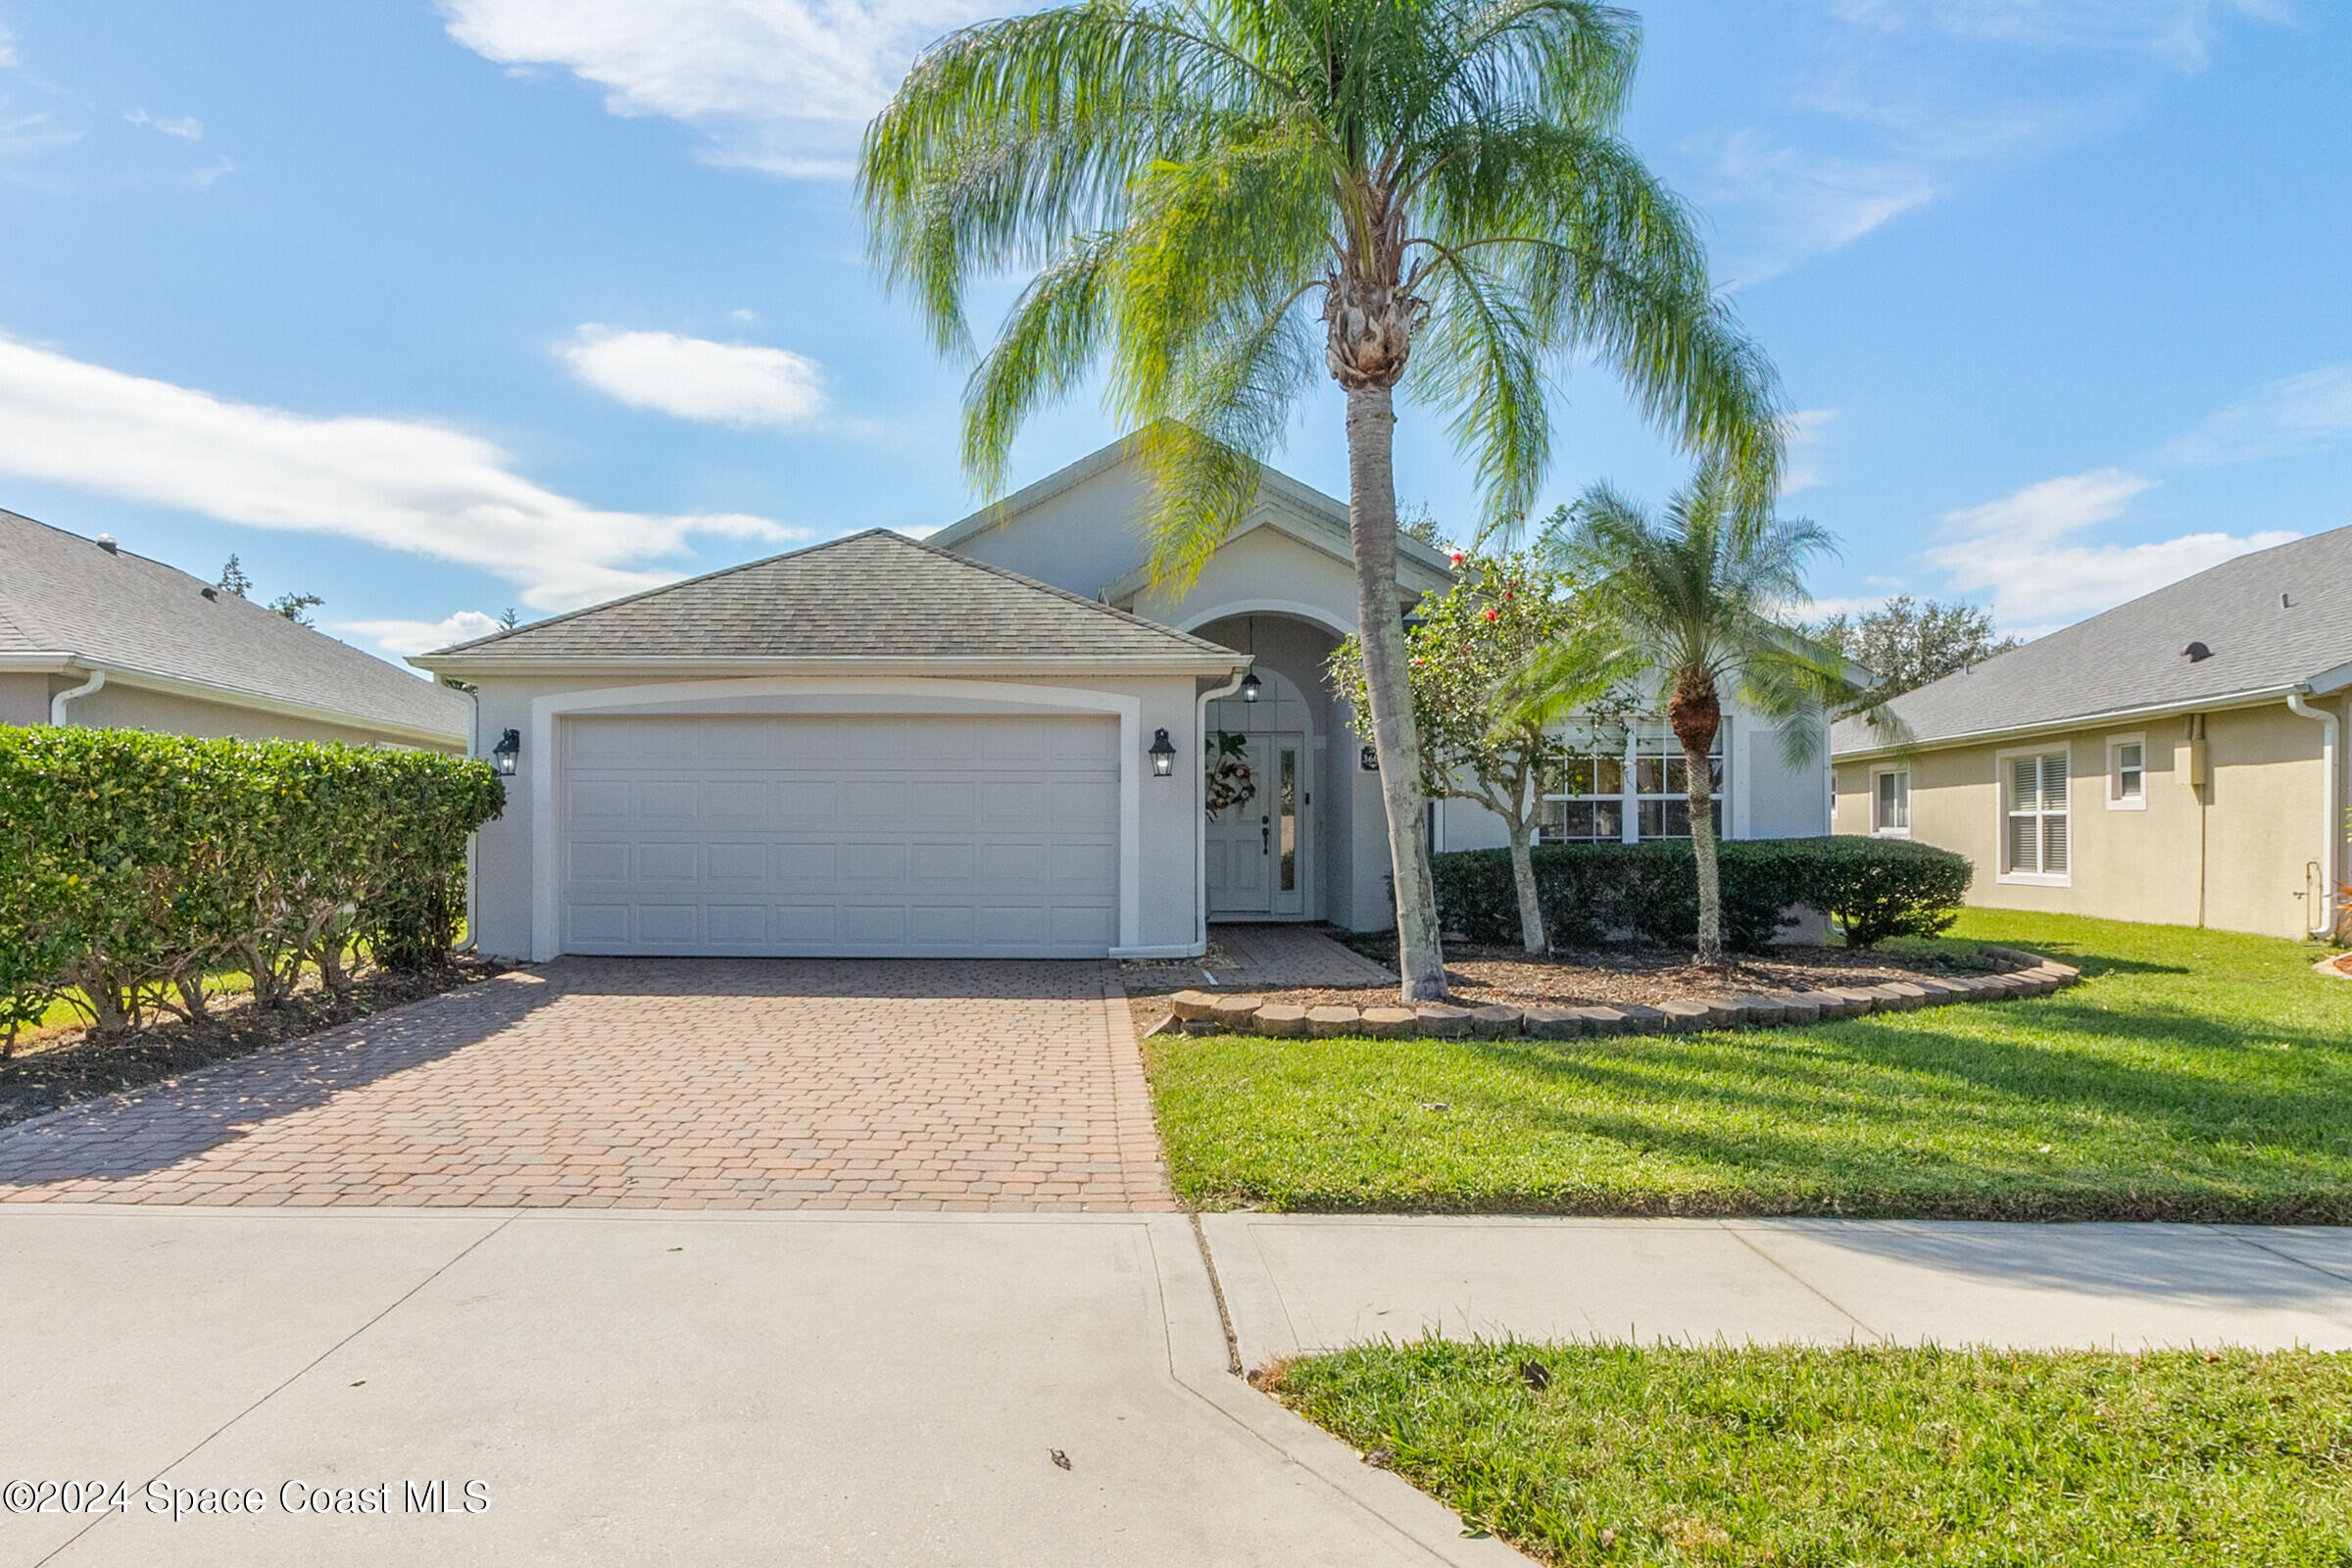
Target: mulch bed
x: 59, y: 1066
x: 1604, y: 977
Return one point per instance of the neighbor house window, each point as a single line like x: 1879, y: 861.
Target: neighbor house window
x: 1625, y: 783
x: 2128, y: 774
x: 1890, y: 802
x: 2034, y: 839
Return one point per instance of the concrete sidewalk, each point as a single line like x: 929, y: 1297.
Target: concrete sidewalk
x: 884, y: 1389
x: 1298, y: 1282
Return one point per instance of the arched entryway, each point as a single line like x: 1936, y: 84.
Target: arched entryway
x: 1290, y: 853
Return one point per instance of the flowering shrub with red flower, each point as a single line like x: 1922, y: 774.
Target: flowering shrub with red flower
x: 1484, y: 737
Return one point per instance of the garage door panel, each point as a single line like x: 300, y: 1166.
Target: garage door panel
x: 933, y: 863
x: 1084, y: 867
x: 873, y: 862
x: 809, y: 924
x: 668, y: 801
x: 660, y: 861
x: 803, y: 868
x: 738, y: 924
x: 874, y: 924
x: 1075, y: 806
x: 593, y: 802
x: 599, y: 862
x: 735, y: 865
x: 939, y: 803
x: 736, y: 799
x: 795, y: 834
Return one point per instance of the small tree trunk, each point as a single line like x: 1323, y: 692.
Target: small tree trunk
x: 1695, y: 714
x: 1379, y: 625
x: 1703, y: 850
x: 1522, y: 873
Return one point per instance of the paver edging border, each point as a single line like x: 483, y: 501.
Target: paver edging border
x: 2024, y: 975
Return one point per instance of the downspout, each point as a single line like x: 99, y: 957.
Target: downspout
x: 1200, y: 807
x: 56, y: 703
x: 2329, y: 878
x: 473, y: 749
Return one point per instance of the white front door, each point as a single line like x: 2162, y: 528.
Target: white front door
x: 1257, y: 850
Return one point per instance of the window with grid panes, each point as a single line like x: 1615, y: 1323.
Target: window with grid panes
x: 1590, y: 807
x: 2035, y: 843
x: 1662, y: 782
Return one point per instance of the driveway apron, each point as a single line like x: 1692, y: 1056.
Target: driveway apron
x: 655, y: 1083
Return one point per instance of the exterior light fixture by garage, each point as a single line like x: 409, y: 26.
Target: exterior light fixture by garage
x: 1368, y: 759
x: 1162, y: 754
x: 506, y: 752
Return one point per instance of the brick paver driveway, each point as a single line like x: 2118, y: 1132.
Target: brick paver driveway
x: 655, y: 1083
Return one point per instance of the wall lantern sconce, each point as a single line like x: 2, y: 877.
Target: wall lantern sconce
x: 1162, y: 754
x: 1368, y: 759
x: 504, y: 755
x: 1251, y: 686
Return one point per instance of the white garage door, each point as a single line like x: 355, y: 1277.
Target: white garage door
x: 841, y: 836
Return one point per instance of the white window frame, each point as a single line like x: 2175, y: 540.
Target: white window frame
x: 2117, y: 801
x: 1629, y: 797
x: 1888, y: 830
x: 2001, y: 785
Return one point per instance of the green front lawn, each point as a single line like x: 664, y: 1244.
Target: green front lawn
x: 1860, y: 1456
x: 2192, y: 1075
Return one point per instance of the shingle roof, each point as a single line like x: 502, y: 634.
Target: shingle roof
x: 2273, y: 619
x: 63, y: 594
x: 874, y: 595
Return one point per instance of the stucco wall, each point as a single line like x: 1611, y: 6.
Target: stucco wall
x: 117, y: 706
x: 1078, y: 540
x: 1168, y: 875
x: 24, y: 699
x: 2231, y: 853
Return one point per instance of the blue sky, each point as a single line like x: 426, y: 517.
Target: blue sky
x: 436, y: 309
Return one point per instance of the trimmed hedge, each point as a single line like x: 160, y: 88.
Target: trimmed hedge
x: 1873, y: 888
x: 137, y: 864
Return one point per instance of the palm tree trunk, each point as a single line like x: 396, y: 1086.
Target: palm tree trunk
x: 1380, y: 625
x: 1523, y: 876
x: 1703, y: 850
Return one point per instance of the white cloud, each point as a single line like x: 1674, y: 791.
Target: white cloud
x: 2297, y: 414
x: 2178, y: 31
x: 2019, y: 551
x: 404, y: 637
x: 202, y: 179
x: 781, y: 85
x: 921, y: 531
x: 721, y: 383
x: 187, y: 127
x: 1808, y: 429
x: 1785, y: 203
x: 399, y: 484
x: 8, y: 50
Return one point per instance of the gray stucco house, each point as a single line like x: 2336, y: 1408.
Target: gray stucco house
x: 94, y: 635
x: 880, y: 746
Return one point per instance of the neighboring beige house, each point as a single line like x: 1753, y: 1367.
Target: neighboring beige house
x: 2179, y: 758
x: 989, y: 742
x: 93, y: 635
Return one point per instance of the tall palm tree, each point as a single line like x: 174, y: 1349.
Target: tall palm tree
x: 1702, y: 597
x: 1435, y: 188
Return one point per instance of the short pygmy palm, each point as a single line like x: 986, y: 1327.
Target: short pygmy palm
x: 1701, y: 598
x: 1431, y: 191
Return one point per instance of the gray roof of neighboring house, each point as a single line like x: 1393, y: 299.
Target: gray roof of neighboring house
x: 2276, y: 619
x: 63, y: 595
x: 874, y: 595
